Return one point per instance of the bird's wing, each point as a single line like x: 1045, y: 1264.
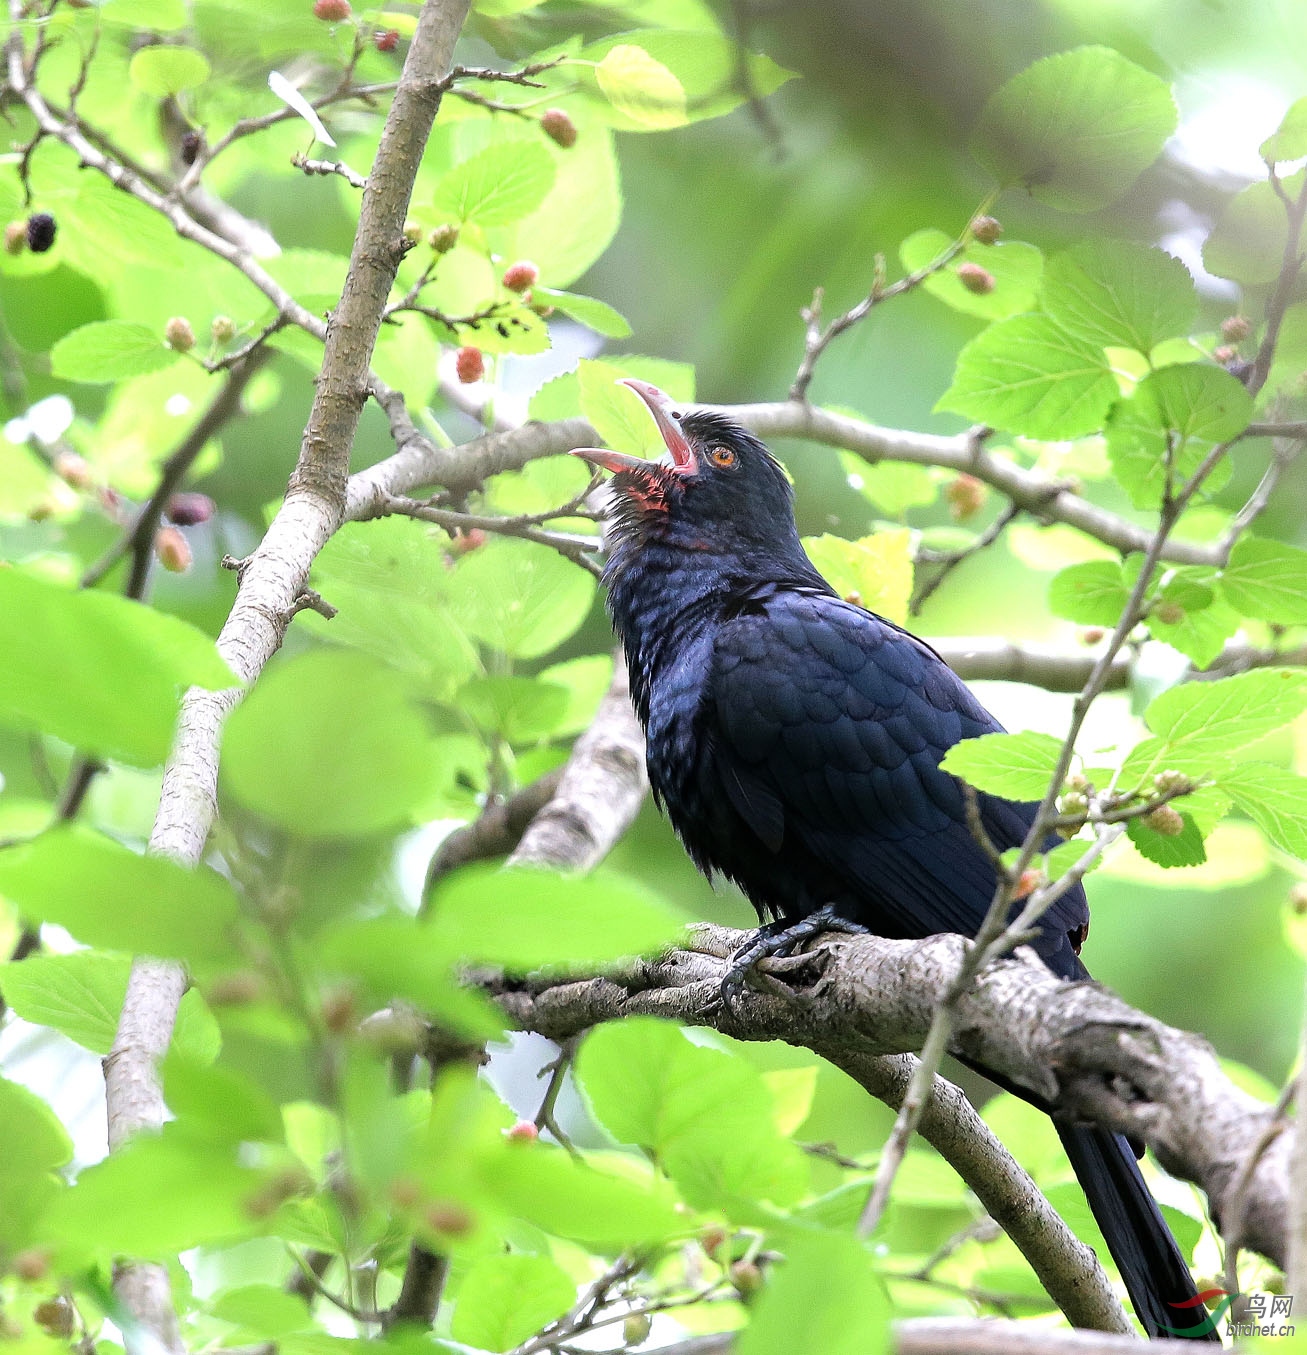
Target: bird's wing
x: 828, y: 725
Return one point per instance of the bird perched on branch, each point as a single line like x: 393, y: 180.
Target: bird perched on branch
x: 794, y: 739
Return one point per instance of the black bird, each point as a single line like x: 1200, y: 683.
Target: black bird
x: 794, y: 740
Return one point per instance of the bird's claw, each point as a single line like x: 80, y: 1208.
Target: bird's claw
x: 778, y: 938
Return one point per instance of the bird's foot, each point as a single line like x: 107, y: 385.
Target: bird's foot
x: 779, y: 938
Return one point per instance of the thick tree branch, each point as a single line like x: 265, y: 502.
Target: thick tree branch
x: 599, y: 794
x: 1077, y: 1046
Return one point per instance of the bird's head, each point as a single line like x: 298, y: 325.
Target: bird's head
x: 717, y: 488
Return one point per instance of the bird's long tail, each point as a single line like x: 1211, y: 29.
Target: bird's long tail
x: 1155, y: 1273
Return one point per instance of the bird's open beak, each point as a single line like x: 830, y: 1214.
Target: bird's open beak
x: 663, y: 408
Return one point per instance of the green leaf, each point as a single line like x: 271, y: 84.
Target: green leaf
x: 875, y: 573
x: 1205, y: 622
x: 1061, y: 859
x: 1014, y: 266
x: 219, y: 1101
x: 1289, y: 140
x: 393, y: 957
x: 520, y: 598
x: 851, y: 1316
x: 109, y: 350
x: 1274, y: 799
x: 1119, y: 294
x: 617, y: 412
x: 586, y: 310
x: 1029, y: 375
x: 1185, y: 849
x: 545, y: 919
x: 1093, y: 594
x: 107, y: 895
x: 705, y: 1113
x: 330, y: 744
x: 704, y: 65
x: 1193, y: 405
x: 165, y: 71
x: 1248, y: 241
x: 263, y: 1311
x: 197, y: 1194
x: 1217, y: 719
x: 641, y: 87
x: 1015, y: 766
x: 891, y: 487
x: 81, y: 995
x: 1076, y: 129
x: 36, y: 1145
x: 585, y: 679
x: 518, y: 709
x: 391, y: 582
x: 792, y: 1091
x: 1268, y: 580
x: 70, y: 656
x: 578, y: 218
x: 569, y: 1198
x: 498, y: 185
x: 505, y: 1299
x: 154, y: 16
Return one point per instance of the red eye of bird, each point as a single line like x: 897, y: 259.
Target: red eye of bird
x: 722, y: 456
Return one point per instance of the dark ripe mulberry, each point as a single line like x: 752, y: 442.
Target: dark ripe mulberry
x: 189, y: 508
x: 41, y: 229
x: 189, y: 149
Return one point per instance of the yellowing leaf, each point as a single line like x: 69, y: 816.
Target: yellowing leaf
x: 642, y: 88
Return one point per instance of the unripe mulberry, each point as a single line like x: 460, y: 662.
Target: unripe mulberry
x: 387, y: 41
x: 986, y: 229
x: 1164, y: 820
x: 172, y: 550
x: 636, y: 1328
x: 470, y: 365
x: 73, y: 470
x: 178, y: 334
x: 524, y: 1131
x: 1236, y: 328
x: 449, y: 1217
x: 1169, y: 613
x: 521, y: 276
x: 55, y: 1317
x: 443, y: 238
x: 559, y: 127
x: 975, y: 278
x: 965, y: 496
x: 15, y: 237
x: 746, y: 1277
x: 223, y: 329
x: 1029, y: 881
x: 40, y: 232
x: 1091, y: 635
x: 1172, y: 782
x: 331, y: 11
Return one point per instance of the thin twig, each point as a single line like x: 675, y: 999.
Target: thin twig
x: 579, y: 549
x: 329, y: 167
x: 1282, y: 293
x: 817, y: 339
x: 951, y: 559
